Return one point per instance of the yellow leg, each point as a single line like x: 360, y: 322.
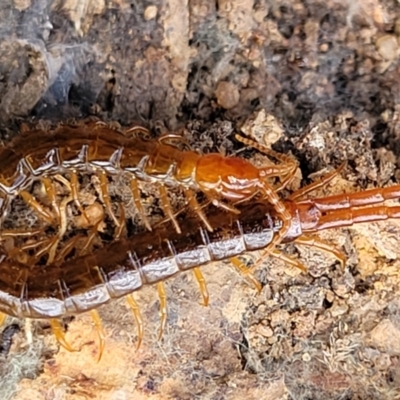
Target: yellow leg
x: 121, y: 227
x: 281, y: 256
x: 138, y: 318
x: 58, y: 332
x: 134, y: 131
x: 51, y: 194
x: 138, y: 203
x: 313, y: 241
x: 195, y: 206
x: 106, y: 197
x: 203, y: 286
x: 288, y: 260
x: 298, y: 194
x: 2, y: 318
x: 32, y: 202
x: 163, y: 308
x: 75, y: 193
x: 100, y: 331
x: 67, y: 247
x: 85, y: 249
x: 19, y: 233
x: 217, y: 203
x: 246, y: 273
x: 167, y: 209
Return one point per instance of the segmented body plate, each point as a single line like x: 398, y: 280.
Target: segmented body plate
x: 124, y: 266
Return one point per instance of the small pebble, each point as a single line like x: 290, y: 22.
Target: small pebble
x: 150, y: 12
x: 227, y: 95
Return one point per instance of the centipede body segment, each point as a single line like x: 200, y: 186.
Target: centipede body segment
x: 95, y: 148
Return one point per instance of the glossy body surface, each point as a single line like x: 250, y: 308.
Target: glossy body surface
x: 124, y: 266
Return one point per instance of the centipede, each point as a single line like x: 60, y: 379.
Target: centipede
x: 59, y: 262
x: 94, y: 147
x: 74, y: 284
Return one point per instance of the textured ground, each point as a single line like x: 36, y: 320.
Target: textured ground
x: 328, y: 74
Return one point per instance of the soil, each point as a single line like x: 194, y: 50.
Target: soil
x: 317, y: 81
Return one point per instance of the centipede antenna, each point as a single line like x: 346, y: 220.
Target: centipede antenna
x: 246, y: 273
x: 138, y: 318
x: 269, y: 152
x: 203, y: 286
x: 138, y: 203
x: 316, y: 242
x: 298, y: 194
x: 166, y: 207
x: 195, y: 206
x: 100, y: 331
x: 106, y: 197
x: 32, y: 202
x: 51, y: 194
x: 58, y: 332
x: 163, y: 308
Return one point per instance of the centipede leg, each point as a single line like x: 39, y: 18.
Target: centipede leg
x: 2, y: 318
x: 58, y: 332
x: 288, y: 260
x: 138, y: 203
x: 313, y: 241
x: 106, y: 197
x: 203, y: 286
x: 217, y: 203
x: 279, y: 206
x: 138, y: 318
x: 163, y: 308
x: 195, y: 206
x: 67, y: 247
x: 167, y: 208
x: 121, y: 228
x: 32, y: 202
x: 170, y: 137
x: 51, y: 194
x: 298, y: 194
x: 75, y: 193
x: 134, y: 130
x: 100, y: 331
x: 89, y: 241
x: 280, y: 256
x: 246, y: 273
